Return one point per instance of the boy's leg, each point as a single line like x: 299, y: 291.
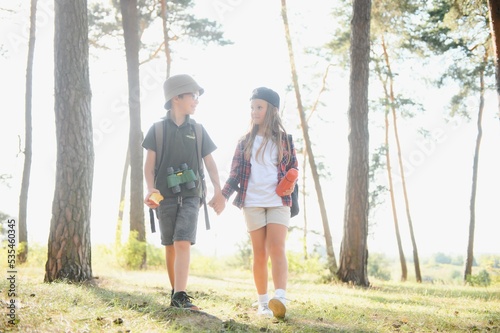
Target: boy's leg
x: 180, y: 298
x: 170, y: 259
x: 184, y: 236
x: 167, y: 211
x: 181, y: 264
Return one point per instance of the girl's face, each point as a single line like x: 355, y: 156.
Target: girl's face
x: 259, y: 110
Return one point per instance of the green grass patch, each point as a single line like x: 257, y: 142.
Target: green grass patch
x: 121, y: 300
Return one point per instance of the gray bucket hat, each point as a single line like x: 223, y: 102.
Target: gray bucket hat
x: 180, y: 84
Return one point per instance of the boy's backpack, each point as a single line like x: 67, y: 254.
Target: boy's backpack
x: 198, y: 130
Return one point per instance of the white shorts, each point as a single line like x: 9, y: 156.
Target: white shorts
x: 258, y: 217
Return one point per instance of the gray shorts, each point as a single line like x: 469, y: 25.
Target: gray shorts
x: 178, y: 219
x: 258, y: 217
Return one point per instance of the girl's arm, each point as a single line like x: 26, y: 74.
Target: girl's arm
x: 234, y: 177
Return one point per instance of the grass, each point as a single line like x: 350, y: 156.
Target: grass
x: 137, y: 301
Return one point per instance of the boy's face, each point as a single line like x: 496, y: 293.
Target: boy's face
x: 187, y: 102
x: 259, y: 110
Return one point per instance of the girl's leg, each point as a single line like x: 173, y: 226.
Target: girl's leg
x: 260, y: 258
x: 275, y: 244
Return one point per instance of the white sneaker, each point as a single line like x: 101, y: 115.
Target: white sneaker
x: 277, y: 306
x: 263, y: 310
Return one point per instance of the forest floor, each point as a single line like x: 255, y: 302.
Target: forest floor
x: 119, y: 300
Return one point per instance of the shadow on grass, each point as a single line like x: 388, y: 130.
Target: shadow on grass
x: 178, y: 319
x: 199, y: 321
x: 146, y: 304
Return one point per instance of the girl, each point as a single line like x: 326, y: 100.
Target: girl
x: 261, y: 160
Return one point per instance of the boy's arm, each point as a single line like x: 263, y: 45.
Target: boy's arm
x: 218, y: 201
x: 149, y: 176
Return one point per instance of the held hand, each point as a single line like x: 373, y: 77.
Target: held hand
x: 150, y: 202
x: 218, y: 202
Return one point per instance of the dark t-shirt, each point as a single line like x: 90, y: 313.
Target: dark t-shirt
x: 179, y: 146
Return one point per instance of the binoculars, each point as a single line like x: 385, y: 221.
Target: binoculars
x: 182, y: 176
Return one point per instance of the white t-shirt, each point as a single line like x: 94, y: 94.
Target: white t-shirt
x: 261, y: 190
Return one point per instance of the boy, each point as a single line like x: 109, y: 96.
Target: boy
x: 178, y: 211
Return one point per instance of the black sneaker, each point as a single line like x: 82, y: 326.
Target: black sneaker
x: 183, y: 301
x: 171, y: 296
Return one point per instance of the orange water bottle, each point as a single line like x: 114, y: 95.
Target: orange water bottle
x: 287, y: 182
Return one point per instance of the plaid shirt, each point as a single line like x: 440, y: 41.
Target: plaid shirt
x: 241, y: 168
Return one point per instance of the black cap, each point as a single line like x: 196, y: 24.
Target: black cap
x: 267, y: 95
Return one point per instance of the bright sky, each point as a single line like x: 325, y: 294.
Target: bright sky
x: 439, y: 172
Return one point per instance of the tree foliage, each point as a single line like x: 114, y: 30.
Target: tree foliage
x: 181, y: 25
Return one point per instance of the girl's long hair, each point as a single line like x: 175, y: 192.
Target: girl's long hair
x: 273, y: 130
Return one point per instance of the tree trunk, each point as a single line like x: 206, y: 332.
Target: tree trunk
x: 475, y: 169
x: 304, y: 207
x: 22, y: 253
x: 353, y: 250
x: 401, y: 168
x: 332, y: 263
x: 494, y: 9
x: 69, y: 248
x: 130, y: 18
x: 402, y: 259
x: 166, y: 38
x: 389, y: 94
x: 304, y: 168
x: 416, y: 261
x: 119, y: 222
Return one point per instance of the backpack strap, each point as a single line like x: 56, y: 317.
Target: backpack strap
x: 159, y: 125
x: 294, y: 209
x: 198, y: 129
x: 159, y: 156
x: 199, y: 141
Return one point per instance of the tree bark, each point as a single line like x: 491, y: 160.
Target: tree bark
x: 332, y: 263
x: 353, y: 250
x: 494, y: 10
x: 22, y: 253
x: 130, y: 19
x: 69, y: 247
